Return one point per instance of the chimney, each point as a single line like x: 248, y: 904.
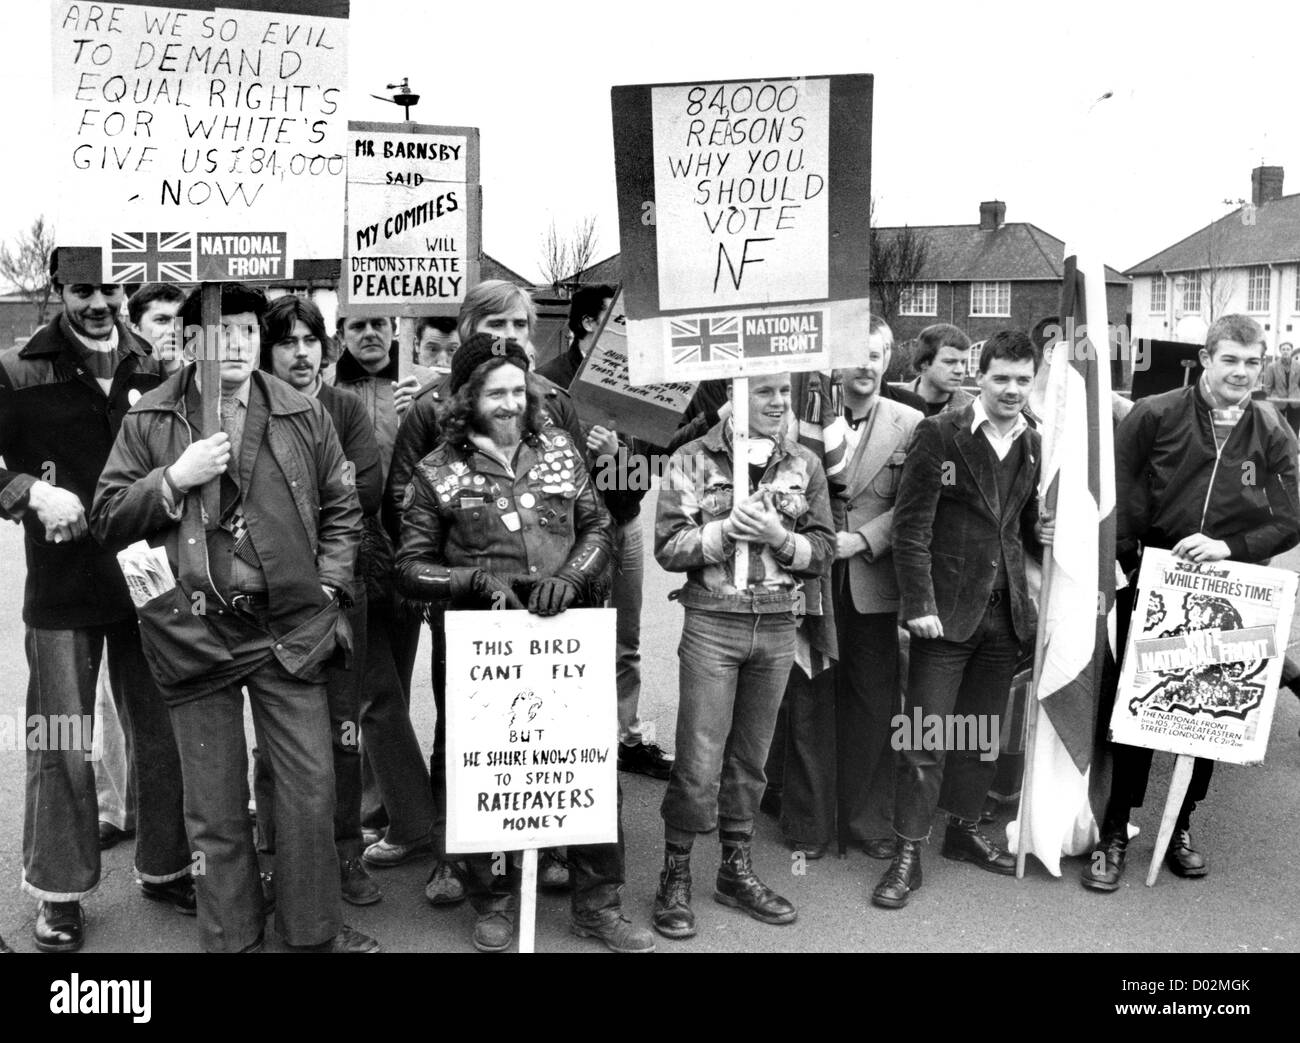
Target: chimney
x: 993, y: 214
x: 1265, y: 185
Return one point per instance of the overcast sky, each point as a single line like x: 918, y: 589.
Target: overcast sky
x: 972, y: 102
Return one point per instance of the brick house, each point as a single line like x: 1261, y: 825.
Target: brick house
x: 991, y: 276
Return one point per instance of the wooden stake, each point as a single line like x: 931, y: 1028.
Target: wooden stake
x: 1178, y: 784
x: 528, y: 902
x: 209, y: 370
x: 740, y: 468
x: 405, y: 346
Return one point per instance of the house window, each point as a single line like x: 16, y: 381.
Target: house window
x: 1258, y: 288
x: 1191, y: 287
x: 1159, y: 301
x: 990, y: 298
x: 920, y: 298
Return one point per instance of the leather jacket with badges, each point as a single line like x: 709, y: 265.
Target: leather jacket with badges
x: 421, y: 431
x: 697, y: 497
x: 464, y: 510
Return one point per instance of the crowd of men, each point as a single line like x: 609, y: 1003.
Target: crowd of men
x: 888, y: 530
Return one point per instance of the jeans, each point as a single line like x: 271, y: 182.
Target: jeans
x: 732, y: 669
x: 114, y: 773
x: 625, y: 597
x: 947, y: 679
x: 388, y: 737
x: 343, y: 695
x: 61, y: 822
x: 867, y: 696
x: 291, y: 722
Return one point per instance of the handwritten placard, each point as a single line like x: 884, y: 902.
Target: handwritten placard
x: 531, y: 730
x: 744, y: 221
x: 196, y: 143
x: 412, y: 241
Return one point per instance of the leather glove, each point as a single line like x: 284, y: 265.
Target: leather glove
x: 552, y: 596
x: 478, y: 586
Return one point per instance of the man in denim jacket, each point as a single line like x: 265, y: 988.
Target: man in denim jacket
x: 738, y: 641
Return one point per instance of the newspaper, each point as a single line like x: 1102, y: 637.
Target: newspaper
x: 147, y: 572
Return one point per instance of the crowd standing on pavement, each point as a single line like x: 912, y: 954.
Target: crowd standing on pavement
x: 890, y: 532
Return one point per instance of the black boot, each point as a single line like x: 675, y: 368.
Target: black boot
x: 1105, y: 865
x: 673, y: 917
x: 1183, y: 859
x: 901, y: 878
x: 963, y: 842
x: 4, y: 948
x: 737, y: 886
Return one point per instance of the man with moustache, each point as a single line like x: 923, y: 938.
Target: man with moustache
x: 257, y: 604
x: 503, y: 513
x: 966, y: 513
x: 63, y: 396
x: 738, y: 639
x: 294, y: 347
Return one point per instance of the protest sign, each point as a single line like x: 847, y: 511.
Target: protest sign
x: 1204, y: 658
x: 411, y: 245
x: 531, y: 728
x: 744, y: 222
x: 602, y: 394
x: 198, y: 142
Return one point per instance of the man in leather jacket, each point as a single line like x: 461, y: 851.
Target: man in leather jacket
x: 503, y: 514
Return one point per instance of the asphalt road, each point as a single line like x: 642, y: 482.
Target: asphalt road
x: 1250, y: 902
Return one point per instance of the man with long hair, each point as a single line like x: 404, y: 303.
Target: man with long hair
x: 504, y: 513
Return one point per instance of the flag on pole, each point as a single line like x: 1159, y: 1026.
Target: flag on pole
x: 1076, y: 611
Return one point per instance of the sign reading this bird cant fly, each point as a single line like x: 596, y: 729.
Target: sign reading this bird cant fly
x: 531, y: 730
x: 200, y: 142
x: 744, y: 223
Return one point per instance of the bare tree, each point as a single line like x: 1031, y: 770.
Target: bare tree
x: 898, y: 257
x: 27, y: 266
x: 1216, y: 280
x: 564, y: 258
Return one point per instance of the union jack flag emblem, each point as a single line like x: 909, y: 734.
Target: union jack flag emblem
x: 152, y: 257
x: 705, y: 340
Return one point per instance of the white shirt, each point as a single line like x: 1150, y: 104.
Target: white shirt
x: 1001, y: 443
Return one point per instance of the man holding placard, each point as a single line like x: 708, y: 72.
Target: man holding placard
x: 738, y: 640
x: 1210, y: 474
x: 503, y: 515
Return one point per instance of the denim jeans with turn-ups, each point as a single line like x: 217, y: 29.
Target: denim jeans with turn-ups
x: 733, y: 668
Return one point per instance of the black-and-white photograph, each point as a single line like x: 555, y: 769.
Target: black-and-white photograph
x: 519, y: 478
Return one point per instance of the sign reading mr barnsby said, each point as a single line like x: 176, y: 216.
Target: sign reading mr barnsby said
x: 1204, y: 658
x: 411, y: 246
x: 744, y: 221
x: 531, y: 727
x: 200, y: 142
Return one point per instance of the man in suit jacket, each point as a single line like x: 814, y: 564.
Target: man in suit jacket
x: 966, y: 512
x: 868, y: 696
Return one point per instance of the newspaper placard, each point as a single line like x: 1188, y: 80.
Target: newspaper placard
x: 411, y: 246
x: 1204, y: 658
x: 602, y: 392
x: 531, y: 728
x: 198, y: 142
x: 744, y: 222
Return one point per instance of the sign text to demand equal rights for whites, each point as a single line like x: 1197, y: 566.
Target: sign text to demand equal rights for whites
x: 175, y: 121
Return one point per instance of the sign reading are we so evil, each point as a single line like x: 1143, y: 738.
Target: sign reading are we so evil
x: 200, y: 142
